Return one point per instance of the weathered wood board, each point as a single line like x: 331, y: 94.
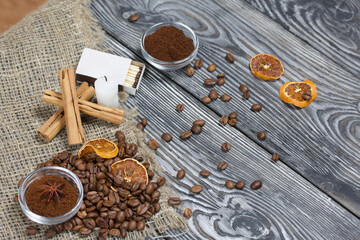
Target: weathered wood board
x: 321, y: 142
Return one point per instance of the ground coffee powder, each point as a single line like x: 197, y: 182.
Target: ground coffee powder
x: 169, y: 44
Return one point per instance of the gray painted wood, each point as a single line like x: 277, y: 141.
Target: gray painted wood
x: 286, y: 207
x: 332, y: 27
x: 321, y: 142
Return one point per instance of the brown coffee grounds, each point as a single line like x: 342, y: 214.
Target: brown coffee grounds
x: 40, y: 205
x: 169, y: 44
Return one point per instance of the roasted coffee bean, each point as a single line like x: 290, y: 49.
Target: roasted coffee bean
x: 120, y: 135
x: 93, y: 214
x: 196, y: 129
x: 114, y: 232
x: 189, y: 70
x: 211, y: 68
x: 125, y: 225
x: 82, y: 206
x: 210, y: 82
x: 204, y: 173
x: 139, y: 159
x: 206, y: 100
x: 232, y: 115
x: 103, y: 232
x: 256, y: 184
x: 225, y: 146
x: 127, y: 186
x: 77, y: 228
x: 142, y: 186
x: 174, y: 201
x: 68, y: 226
x: 135, y: 186
x: 185, y: 135
x: 89, y: 223
x: 144, y: 122
x: 221, y: 81
x: 31, y: 231
x: 275, y: 157
x: 261, y: 135
x: 85, y: 231
x: 140, y: 225
x: 180, y: 174
x: 243, y: 88
x: 151, y: 174
x: 112, y: 214
x: 198, y: 63
x: 179, y: 107
x: 240, y: 185
x: 101, y: 223
x: 153, y: 144
x: 161, y: 181
x: 81, y: 214
x: 63, y: 155
x: 128, y: 213
x: 225, y: 98
x: 50, y: 232
x: 120, y: 217
x: 140, y: 126
x: 224, y: 119
x: 229, y: 184
x: 222, y: 165
x: 201, y: 123
x: 166, y: 137
x: 256, y: 107
x: 155, y: 196
x: 141, y: 209
x: 108, y: 203
x: 221, y: 75
x: 232, y: 122
x: 157, y: 207
x: 188, y: 213
x: 196, y: 189
x: 230, y: 58
x: 118, y: 180
x: 246, y: 95
x: 133, y: 203
x: 213, y: 94
x: 132, y: 225
x: 90, y: 209
x: 134, y: 17
x: 306, y: 96
x: 123, y: 232
x: 149, y: 188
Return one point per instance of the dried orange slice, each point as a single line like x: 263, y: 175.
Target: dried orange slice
x: 301, y: 94
x: 101, y: 146
x: 131, y: 170
x: 266, y: 66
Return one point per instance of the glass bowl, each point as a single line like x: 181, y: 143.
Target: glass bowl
x: 50, y: 171
x: 170, y: 66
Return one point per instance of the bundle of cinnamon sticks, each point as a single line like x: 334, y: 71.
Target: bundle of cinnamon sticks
x: 71, y: 103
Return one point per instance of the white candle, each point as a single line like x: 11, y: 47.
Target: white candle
x: 106, y: 90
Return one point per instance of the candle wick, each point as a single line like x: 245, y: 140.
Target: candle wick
x: 105, y: 78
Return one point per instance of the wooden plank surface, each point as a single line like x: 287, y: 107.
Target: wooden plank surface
x: 320, y: 142
x: 286, y: 207
x: 332, y: 27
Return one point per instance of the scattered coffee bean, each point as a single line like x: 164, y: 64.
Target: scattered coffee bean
x: 196, y: 189
x: 256, y: 184
x: 185, y: 135
x: 232, y: 115
x: 174, y: 201
x: 188, y: 213
x: 50, y: 232
x: 240, y: 185
x: 225, y: 98
x: 230, y: 58
x: 232, y: 122
x: 180, y: 174
x: 31, y: 231
x: 261, y: 135
x: 144, y: 122
x: 211, y: 68
x: 196, y: 129
x: 229, y: 184
x: 222, y: 165
x: 243, y: 88
x: 210, y: 82
x: 166, y: 137
x: 306, y: 96
x: 198, y: 63
x: 256, y: 107
x: 221, y: 75
x: 114, y: 232
x: 161, y: 181
x: 225, y: 147
x: 221, y: 81
x: 206, y: 100
x: 134, y: 17
x: 246, y: 95
x: 140, y: 126
x: 179, y: 107
x: 275, y: 157
x: 224, y: 119
x: 189, y: 70
x: 201, y: 123
x: 204, y: 173
x: 153, y: 144
x: 213, y: 94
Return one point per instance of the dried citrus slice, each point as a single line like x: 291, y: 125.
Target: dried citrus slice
x: 131, y: 170
x: 101, y: 146
x: 301, y: 94
x: 266, y: 66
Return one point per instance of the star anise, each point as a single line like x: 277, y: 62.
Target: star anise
x: 52, y: 190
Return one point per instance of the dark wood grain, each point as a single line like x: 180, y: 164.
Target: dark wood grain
x: 320, y: 142
x: 332, y: 27
x: 286, y: 207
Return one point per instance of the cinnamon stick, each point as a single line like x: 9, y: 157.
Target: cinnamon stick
x: 56, y: 122
x: 113, y: 115
x: 71, y: 107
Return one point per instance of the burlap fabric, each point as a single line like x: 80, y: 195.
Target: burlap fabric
x: 31, y: 53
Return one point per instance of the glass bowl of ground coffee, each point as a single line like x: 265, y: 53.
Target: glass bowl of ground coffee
x: 51, y: 195
x: 169, y: 46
